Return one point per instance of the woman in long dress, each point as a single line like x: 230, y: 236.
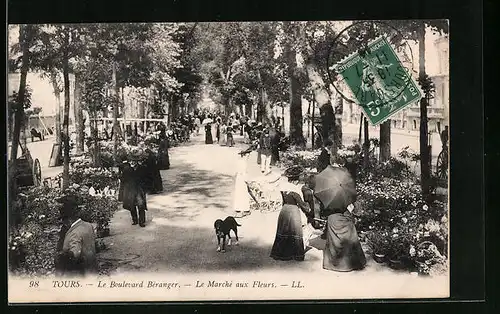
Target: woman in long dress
x: 292, y: 233
x: 241, y: 196
x: 343, y: 251
x: 208, y: 134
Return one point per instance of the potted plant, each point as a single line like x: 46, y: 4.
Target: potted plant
x: 379, y: 243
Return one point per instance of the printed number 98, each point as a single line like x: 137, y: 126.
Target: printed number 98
x: 33, y: 284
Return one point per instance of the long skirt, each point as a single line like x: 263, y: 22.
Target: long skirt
x: 241, y: 201
x: 275, y: 155
x: 163, y: 159
x: 343, y: 251
x: 157, y: 185
x: 289, y: 244
x: 208, y: 138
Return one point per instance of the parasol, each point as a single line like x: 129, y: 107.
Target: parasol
x: 335, y: 188
x: 207, y: 121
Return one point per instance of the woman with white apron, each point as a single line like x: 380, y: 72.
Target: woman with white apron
x: 241, y: 196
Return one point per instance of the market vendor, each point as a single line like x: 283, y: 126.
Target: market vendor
x: 77, y: 256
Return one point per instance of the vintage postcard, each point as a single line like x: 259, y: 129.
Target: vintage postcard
x: 226, y: 161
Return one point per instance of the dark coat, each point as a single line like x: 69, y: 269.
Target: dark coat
x: 133, y: 193
x: 154, y: 173
x: 275, y: 142
x: 208, y: 134
x: 265, y: 149
x: 323, y: 160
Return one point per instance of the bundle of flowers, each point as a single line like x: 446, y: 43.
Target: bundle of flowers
x: 82, y: 173
x: 302, y: 158
x: 126, y: 152
x: 266, y: 199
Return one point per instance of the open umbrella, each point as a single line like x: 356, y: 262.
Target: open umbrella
x: 335, y: 188
x: 207, y: 121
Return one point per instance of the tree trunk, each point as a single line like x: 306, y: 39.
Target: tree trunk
x: 322, y: 98
x: 225, y: 103
x: 385, y: 141
x: 366, y: 144
x: 339, y: 111
x: 57, y: 93
x: 360, y: 127
x: 424, y: 148
x: 18, y: 112
x: 350, y: 112
x: 79, y: 126
x: 296, y: 125
x: 96, y: 153
x: 65, y: 135
x: 263, y: 106
x: 115, y: 114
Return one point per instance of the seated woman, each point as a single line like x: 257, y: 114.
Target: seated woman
x: 292, y: 235
x: 342, y: 251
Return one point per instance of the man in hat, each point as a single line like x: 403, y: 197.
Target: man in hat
x: 78, y: 254
x: 265, y: 150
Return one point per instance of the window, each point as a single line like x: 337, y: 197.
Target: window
x: 414, y: 124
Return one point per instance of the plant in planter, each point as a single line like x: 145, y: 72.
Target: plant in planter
x: 426, y: 257
x: 380, y: 244
x: 401, y: 241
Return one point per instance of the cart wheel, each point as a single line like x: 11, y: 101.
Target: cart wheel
x: 442, y: 166
x: 37, y: 173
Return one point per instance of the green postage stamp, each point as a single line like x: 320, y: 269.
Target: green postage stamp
x: 378, y: 80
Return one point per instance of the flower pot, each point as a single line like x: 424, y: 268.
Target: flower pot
x: 379, y: 258
x: 396, y: 264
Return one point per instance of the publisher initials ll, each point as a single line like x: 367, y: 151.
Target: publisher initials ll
x: 296, y: 284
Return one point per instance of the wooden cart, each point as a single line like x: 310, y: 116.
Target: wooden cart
x: 29, y: 171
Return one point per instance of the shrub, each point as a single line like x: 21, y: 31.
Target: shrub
x: 33, y: 239
x: 388, y: 209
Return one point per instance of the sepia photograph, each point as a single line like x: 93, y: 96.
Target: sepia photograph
x: 228, y: 161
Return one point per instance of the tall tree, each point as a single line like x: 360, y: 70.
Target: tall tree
x: 294, y: 89
x: 78, y: 111
x: 26, y: 33
x: 385, y: 140
x: 65, y: 134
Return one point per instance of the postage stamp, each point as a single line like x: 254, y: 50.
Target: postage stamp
x: 380, y: 83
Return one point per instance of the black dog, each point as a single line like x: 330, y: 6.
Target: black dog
x: 223, y: 229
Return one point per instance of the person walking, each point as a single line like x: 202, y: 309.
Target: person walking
x: 265, y: 151
x: 134, y: 197
x: 197, y: 125
x: 217, y: 129
x: 229, y: 135
x: 275, y: 142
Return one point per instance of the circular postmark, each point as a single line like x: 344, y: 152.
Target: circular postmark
x: 370, y: 63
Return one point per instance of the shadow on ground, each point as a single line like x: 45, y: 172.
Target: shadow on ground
x: 191, y: 249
